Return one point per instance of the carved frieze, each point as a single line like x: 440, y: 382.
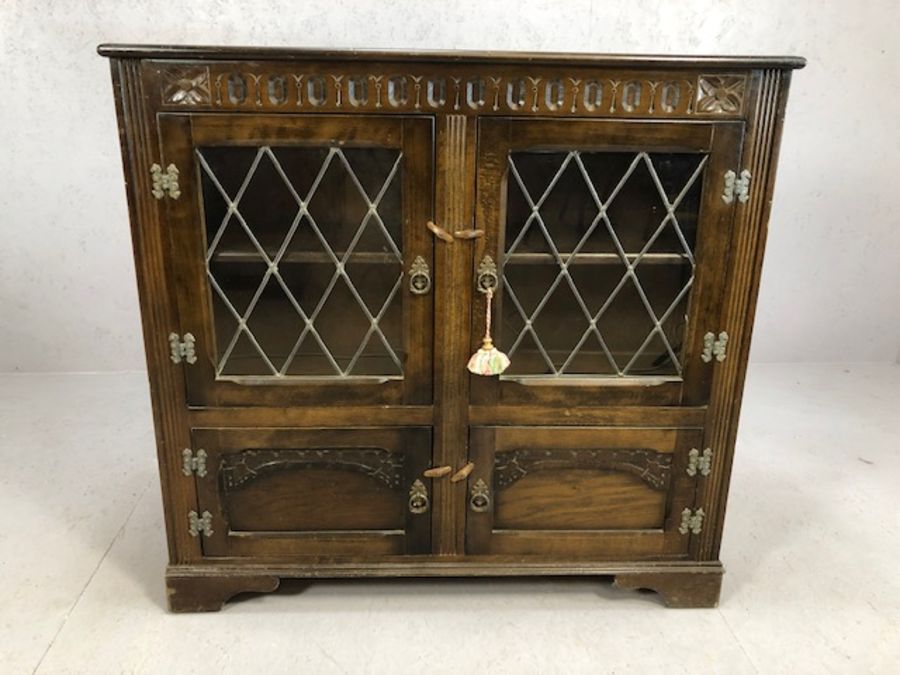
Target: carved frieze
x: 654, y: 468
x: 235, y: 86
x: 241, y: 468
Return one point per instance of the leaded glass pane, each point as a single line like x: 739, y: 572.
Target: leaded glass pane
x: 599, y: 262
x: 304, y: 259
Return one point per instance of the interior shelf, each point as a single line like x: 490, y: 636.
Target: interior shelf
x: 252, y: 256
x: 595, y: 258
x: 382, y: 257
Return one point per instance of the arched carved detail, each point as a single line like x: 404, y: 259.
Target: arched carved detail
x: 241, y: 468
x: 654, y: 468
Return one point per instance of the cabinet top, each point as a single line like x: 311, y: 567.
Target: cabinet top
x: 658, y: 61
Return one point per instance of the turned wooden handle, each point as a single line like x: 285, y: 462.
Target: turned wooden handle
x: 463, y: 473
x: 439, y: 232
x: 437, y: 471
x: 468, y: 234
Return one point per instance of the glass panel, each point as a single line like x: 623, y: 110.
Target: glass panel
x: 304, y: 259
x: 599, y: 262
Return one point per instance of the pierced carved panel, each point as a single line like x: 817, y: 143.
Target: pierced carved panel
x: 654, y: 468
x: 241, y: 468
x: 477, y: 90
x: 186, y: 86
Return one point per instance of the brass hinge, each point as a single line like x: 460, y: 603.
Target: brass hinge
x: 164, y: 181
x: 736, y: 186
x: 182, y: 349
x: 698, y: 463
x: 191, y: 464
x: 714, y: 347
x: 691, y: 521
x: 198, y: 524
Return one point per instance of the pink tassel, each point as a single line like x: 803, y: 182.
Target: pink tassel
x: 488, y: 360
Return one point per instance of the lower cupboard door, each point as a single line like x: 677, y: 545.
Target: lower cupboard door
x: 314, y: 492
x: 602, y: 493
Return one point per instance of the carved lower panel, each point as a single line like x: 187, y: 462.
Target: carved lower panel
x: 241, y: 468
x: 475, y: 90
x: 654, y: 468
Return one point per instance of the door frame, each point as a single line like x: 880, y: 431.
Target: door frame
x: 179, y: 134
x: 722, y: 141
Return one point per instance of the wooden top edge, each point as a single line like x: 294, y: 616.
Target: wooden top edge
x: 584, y: 59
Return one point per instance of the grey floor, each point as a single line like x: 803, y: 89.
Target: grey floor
x: 812, y: 553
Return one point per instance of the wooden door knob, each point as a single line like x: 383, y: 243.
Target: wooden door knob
x: 439, y: 232
x: 437, y: 471
x: 463, y: 473
x: 469, y: 234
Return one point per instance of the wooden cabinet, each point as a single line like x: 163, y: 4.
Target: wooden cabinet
x: 317, y: 238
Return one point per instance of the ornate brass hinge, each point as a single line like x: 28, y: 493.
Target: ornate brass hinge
x: 714, y: 347
x: 699, y: 463
x: 736, y: 186
x: 164, y: 181
x: 200, y: 523
x: 191, y: 463
x: 182, y: 349
x: 691, y: 521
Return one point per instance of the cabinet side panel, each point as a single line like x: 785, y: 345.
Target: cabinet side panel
x: 760, y: 157
x: 159, y: 317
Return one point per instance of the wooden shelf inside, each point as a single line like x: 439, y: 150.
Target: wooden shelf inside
x: 386, y: 257
x: 309, y: 257
x: 595, y: 258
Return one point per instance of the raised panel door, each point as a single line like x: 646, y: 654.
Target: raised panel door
x: 604, y: 493
x: 307, y: 492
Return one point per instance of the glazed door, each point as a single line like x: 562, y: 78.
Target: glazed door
x: 604, y: 493
x: 611, y: 240
x: 307, y: 492
x: 301, y: 257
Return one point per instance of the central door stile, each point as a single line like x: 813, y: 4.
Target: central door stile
x: 454, y: 206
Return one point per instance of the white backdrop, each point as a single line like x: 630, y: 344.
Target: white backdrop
x: 831, y: 287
